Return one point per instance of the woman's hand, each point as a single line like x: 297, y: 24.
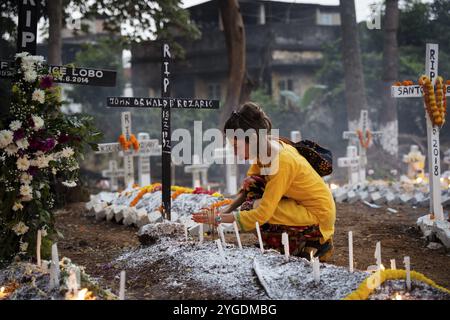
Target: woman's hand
x: 204, y: 216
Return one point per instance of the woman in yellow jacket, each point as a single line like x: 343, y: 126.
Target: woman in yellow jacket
x: 293, y: 198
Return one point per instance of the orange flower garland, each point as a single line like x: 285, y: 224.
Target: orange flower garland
x: 435, y: 102
x: 364, y: 143
x: 126, y: 144
x: 143, y: 191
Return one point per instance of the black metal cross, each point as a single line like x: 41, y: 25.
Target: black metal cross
x: 26, y: 41
x: 165, y: 103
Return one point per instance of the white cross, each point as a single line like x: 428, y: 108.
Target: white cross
x: 351, y: 161
x: 434, y: 163
x: 147, y: 148
x: 113, y: 173
x: 296, y: 136
x: 227, y: 154
x: 198, y: 170
x: 353, y: 138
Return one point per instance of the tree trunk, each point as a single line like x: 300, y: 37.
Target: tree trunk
x: 355, y: 91
x: 233, y: 27
x: 388, y: 115
x: 55, y: 16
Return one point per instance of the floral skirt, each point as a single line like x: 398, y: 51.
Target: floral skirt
x: 302, y: 239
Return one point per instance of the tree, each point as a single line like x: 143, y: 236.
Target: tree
x: 388, y: 122
x: 234, y: 31
x: 355, y: 91
x: 55, y: 15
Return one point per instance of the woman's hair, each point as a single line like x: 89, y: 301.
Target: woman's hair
x: 248, y: 116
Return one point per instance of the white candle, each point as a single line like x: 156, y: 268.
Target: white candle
x: 316, y: 269
x: 55, y: 258
x: 221, y: 252
x: 122, y: 285
x: 407, y: 263
x: 38, y: 248
x: 393, y: 265
x: 350, y: 250
x: 72, y: 282
x: 236, y: 231
x: 261, y: 246
x: 378, y: 254
x: 285, y: 242
x: 222, y: 235
x: 200, y: 233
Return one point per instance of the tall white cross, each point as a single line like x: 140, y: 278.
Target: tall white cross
x: 227, y: 154
x: 351, y: 161
x: 198, y: 170
x: 147, y: 148
x: 353, y: 137
x: 113, y: 173
x: 434, y: 161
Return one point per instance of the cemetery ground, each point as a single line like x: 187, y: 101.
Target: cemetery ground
x: 96, y: 245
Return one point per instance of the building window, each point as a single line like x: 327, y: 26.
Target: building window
x: 214, y: 91
x: 328, y: 19
x: 285, y: 86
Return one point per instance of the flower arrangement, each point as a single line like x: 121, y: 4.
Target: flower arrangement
x: 151, y: 188
x: 435, y: 100
x: 365, y: 142
x: 126, y: 144
x: 39, y: 146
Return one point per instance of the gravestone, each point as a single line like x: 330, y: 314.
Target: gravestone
x: 351, y: 161
x: 113, y: 172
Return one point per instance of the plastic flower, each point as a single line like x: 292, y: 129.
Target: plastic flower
x: 23, y: 164
x: 6, y: 137
x: 67, y: 152
x: 26, y: 190
x: 38, y: 122
x: 17, y: 206
x: 69, y: 184
x: 22, y: 144
x: 38, y: 95
x: 26, y: 178
x: 11, y: 149
x: 15, y: 125
x: 20, y: 228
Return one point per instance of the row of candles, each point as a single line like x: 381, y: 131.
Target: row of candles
x: 313, y: 260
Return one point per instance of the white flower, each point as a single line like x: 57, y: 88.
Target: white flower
x: 6, y: 137
x: 30, y: 75
x: 21, y: 54
x: 24, y: 246
x: 15, y: 125
x: 26, y: 178
x: 26, y: 190
x: 20, y: 228
x: 22, y: 144
x: 36, y: 59
x: 38, y: 194
x: 54, y: 171
x: 23, y: 164
x: 44, y: 232
x: 74, y: 167
x: 69, y: 184
x: 38, y: 122
x: 67, y: 152
x: 17, y: 206
x: 42, y: 161
x: 38, y: 95
x: 11, y: 149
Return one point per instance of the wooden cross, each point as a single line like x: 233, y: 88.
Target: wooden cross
x: 352, y: 162
x: 227, y: 154
x: 145, y: 146
x: 26, y: 42
x: 165, y: 103
x: 434, y: 161
x: 113, y: 172
x: 354, y: 139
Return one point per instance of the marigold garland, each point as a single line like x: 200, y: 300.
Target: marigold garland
x: 363, y: 292
x: 435, y: 102
x: 144, y: 190
x: 126, y: 144
x: 364, y: 143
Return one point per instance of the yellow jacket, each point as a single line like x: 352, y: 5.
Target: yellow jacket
x: 309, y: 202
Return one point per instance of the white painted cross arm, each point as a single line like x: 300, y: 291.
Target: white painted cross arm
x: 414, y: 91
x: 145, y: 147
x: 162, y: 102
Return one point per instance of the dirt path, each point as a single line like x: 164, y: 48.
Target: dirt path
x: 95, y: 244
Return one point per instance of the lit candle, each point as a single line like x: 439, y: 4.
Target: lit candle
x: 393, y: 265
x: 122, y: 285
x: 316, y: 268
x: 378, y: 254
x: 407, y: 263
x: 350, y: 250
x: 200, y: 233
x: 221, y: 252
x: 221, y: 234
x: 261, y: 246
x: 236, y: 231
x: 38, y: 248
x: 285, y: 242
